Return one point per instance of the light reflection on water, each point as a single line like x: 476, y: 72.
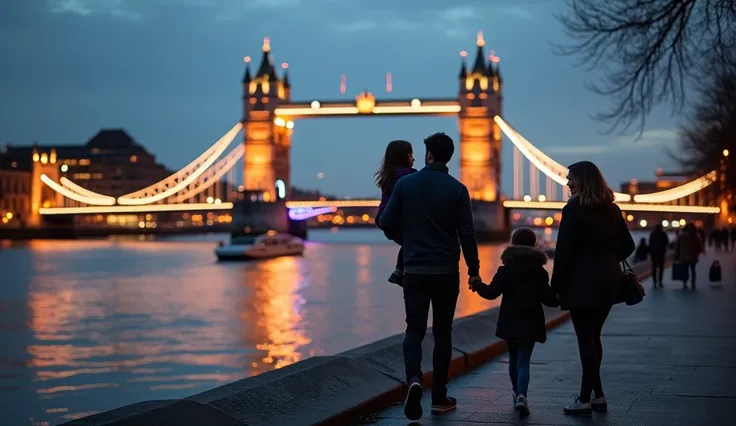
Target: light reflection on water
x: 88, y: 326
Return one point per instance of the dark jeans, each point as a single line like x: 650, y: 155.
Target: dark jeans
x: 441, y: 292
x: 657, y: 269
x: 588, y: 324
x: 692, y: 266
x: 520, y: 355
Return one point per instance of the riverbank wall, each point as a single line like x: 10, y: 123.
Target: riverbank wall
x: 325, y: 390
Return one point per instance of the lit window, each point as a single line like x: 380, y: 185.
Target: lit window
x: 133, y: 158
x: 84, y: 162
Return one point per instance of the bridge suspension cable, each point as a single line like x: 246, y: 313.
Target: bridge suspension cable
x: 102, y: 200
x: 212, y: 175
x: 95, y: 201
x: 679, y: 192
x: 180, y: 180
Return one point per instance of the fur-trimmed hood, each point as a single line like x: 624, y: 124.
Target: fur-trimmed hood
x: 523, y: 254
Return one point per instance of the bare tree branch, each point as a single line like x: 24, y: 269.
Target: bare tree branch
x: 651, y: 51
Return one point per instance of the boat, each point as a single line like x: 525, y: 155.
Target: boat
x: 265, y: 246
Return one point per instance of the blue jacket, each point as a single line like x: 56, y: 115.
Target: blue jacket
x: 430, y: 212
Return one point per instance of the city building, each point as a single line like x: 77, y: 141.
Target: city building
x: 15, y: 192
x: 111, y: 163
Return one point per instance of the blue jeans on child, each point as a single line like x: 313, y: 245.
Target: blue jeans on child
x: 520, y: 355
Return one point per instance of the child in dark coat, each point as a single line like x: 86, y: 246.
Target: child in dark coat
x: 397, y: 163
x: 524, y: 284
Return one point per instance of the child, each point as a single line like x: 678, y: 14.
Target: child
x: 524, y: 284
x: 397, y: 162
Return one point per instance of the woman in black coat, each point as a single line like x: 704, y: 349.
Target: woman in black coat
x: 591, y: 242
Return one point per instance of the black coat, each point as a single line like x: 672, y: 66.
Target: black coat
x: 659, y: 242
x: 591, y: 243
x: 524, y: 284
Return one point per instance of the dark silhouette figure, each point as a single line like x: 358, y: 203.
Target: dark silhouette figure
x: 524, y: 284
x: 687, y: 251
x: 642, y: 251
x: 658, y: 244
x: 430, y: 212
x: 592, y: 240
x: 397, y: 162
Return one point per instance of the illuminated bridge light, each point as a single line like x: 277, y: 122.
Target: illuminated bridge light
x: 135, y: 209
x: 335, y: 203
x: 95, y: 201
x: 559, y: 205
x: 304, y: 213
x: 681, y: 191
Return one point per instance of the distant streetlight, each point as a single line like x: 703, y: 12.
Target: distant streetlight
x: 725, y: 153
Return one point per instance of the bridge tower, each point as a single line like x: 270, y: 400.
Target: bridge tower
x: 480, y: 98
x: 267, y: 138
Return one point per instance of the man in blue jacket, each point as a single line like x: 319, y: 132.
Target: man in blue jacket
x: 430, y: 211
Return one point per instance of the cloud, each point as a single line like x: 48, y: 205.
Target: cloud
x: 575, y: 149
x: 357, y: 26
x: 650, y: 139
x: 516, y: 11
x: 460, y: 13
x: 86, y: 8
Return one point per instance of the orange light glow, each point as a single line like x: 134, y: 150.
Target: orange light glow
x: 479, y: 41
x: 284, y: 65
x: 557, y: 205
x: 135, y: 209
x: 463, y: 53
x: 495, y: 59
x: 343, y: 83
x: 389, y: 83
x: 266, y: 44
x: 246, y: 59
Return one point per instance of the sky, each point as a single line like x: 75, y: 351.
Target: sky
x: 169, y: 72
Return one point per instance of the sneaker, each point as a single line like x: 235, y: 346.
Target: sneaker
x: 445, y: 406
x: 599, y: 404
x: 397, y: 279
x: 513, y: 398
x: 579, y: 408
x: 522, y: 406
x: 413, y: 402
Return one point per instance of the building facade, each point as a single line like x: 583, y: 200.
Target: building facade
x: 15, y: 191
x: 110, y: 163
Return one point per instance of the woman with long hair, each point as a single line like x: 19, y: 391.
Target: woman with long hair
x: 397, y: 162
x: 591, y: 242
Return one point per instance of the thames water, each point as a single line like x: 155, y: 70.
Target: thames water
x: 91, y: 325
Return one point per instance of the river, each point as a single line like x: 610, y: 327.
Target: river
x: 91, y: 325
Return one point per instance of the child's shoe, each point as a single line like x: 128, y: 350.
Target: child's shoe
x: 522, y: 406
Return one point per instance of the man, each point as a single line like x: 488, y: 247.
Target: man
x: 430, y: 211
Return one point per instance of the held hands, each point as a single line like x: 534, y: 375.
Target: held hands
x: 474, y: 282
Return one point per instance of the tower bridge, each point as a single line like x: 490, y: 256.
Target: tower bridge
x: 267, y: 125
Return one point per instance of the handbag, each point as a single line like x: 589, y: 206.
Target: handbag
x: 632, y: 289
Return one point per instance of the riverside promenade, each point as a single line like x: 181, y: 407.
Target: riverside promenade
x: 671, y: 360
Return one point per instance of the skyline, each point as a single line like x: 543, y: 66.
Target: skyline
x: 101, y: 82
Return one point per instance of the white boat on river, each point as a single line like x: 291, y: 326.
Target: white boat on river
x: 266, y: 246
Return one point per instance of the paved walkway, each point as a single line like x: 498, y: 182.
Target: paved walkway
x: 671, y: 360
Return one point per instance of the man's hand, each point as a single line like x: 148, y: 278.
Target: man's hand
x: 474, y: 282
